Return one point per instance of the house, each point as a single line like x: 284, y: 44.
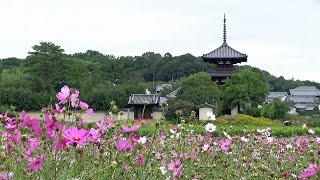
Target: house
x: 276, y: 95
x: 304, y: 98
x: 146, y: 106
x: 206, y: 111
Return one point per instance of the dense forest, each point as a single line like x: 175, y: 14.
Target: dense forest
x: 32, y: 83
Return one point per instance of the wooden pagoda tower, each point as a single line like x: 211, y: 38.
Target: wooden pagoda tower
x: 223, y: 58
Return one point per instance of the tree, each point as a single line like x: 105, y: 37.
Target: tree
x: 45, y: 66
x: 198, y: 89
x: 276, y: 109
x: 244, y: 87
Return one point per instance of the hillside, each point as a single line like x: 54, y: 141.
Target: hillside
x: 31, y: 82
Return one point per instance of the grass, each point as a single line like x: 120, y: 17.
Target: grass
x: 236, y: 125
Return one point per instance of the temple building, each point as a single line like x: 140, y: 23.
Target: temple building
x: 223, y: 58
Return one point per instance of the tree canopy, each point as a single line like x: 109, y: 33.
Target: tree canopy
x: 198, y: 89
x: 246, y: 86
x: 31, y: 83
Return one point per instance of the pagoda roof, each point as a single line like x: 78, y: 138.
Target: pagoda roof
x: 221, y: 73
x: 225, y: 52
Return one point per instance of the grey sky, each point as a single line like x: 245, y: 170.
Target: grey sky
x: 280, y: 36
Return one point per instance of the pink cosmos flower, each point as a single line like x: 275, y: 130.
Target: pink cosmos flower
x: 95, y: 135
x: 123, y: 145
x: 58, y: 109
x: 85, y: 107
x: 225, y: 145
x: 175, y: 166
x: 6, y: 175
x: 33, y: 124
x: 75, y: 136
x: 58, y: 143
x: 102, y: 127
x: 52, y: 126
x: 36, y: 163
x: 10, y: 126
x: 135, y: 138
x: 67, y: 94
x: 110, y: 121
x: 140, y: 160
x: 132, y: 129
x: 63, y: 95
x: 33, y: 144
x: 309, y: 172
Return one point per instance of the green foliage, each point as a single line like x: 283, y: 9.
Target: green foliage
x: 198, y: 89
x: 279, y: 84
x: 242, y: 119
x: 48, y: 68
x: 244, y: 87
x: 178, y: 108
x: 277, y: 109
x: 180, y: 66
x: 10, y: 63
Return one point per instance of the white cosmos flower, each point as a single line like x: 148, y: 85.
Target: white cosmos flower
x: 205, y: 147
x: 178, y: 134
x: 142, y: 140
x: 311, y: 131
x: 289, y: 146
x: 172, y: 131
x: 304, y: 126
x: 163, y: 170
x: 269, y: 139
x: 318, y: 140
x: 244, y: 139
x: 210, y: 127
x: 227, y: 135
x: 211, y: 116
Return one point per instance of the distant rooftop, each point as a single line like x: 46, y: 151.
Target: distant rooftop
x: 305, y: 91
x: 141, y: 99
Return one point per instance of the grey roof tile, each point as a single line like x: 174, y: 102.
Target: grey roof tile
x: 141, y: 99
x: 225, y: 52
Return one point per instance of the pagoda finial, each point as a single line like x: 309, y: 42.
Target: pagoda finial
x: 224, y: 30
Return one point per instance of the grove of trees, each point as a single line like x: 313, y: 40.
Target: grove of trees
x: 31, y: 83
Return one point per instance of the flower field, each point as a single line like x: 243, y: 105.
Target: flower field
x: 61, y: 146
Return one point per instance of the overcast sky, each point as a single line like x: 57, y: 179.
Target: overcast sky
x: 280, y: 36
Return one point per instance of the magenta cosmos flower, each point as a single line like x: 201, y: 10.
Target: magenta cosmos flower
x: 67, y: 94
x: 132, y: 129
x: 75, y: 136
x: 36, y: 163
x: 312, y: 170
x: 124, y: 145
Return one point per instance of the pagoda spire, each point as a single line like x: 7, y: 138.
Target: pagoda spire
x: 224, y: 30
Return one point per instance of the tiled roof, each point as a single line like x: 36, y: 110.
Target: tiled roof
x: 305, y: 91
x: 225, y: 52
x: 277, y: 94
x: 141, y: 99
x: 302, y: 99
x: 205, y: 105
x: 173, y: 94
x: 221, y: 73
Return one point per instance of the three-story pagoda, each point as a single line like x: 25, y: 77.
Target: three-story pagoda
x: 223, y: 58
